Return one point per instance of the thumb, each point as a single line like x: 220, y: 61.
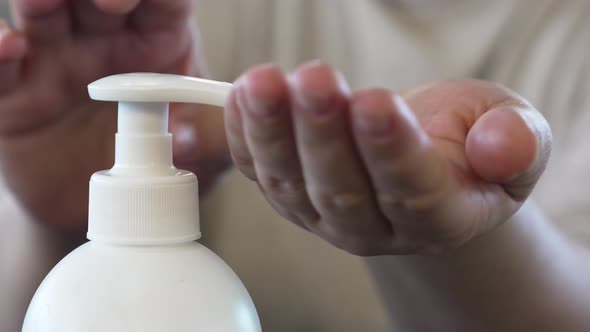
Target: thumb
x: 510, y: 145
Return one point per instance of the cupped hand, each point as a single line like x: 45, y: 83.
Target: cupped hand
x: 377, y: 173
x: 52, y: 137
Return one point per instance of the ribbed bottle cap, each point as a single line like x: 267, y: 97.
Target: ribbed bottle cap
x: 161, y: 210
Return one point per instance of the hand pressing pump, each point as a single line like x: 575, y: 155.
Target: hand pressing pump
x: 142, y: 271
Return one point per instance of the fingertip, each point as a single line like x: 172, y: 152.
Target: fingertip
x: 262, y: 90
x: 13, y: 45
x: 316, y: 78
x: 37, y: 7
x: 500, y: 146
x: 232, y: 118
x: 118, y: 7
x: 318, y: 93
x: 264, y: 81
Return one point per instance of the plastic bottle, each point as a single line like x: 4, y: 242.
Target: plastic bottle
x: 142, y: 271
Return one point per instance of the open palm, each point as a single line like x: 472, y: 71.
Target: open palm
x: 377, y: 173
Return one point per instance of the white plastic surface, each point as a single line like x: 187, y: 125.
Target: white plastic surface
x: 149, y: 87
x: 102, y: 288
x: 142, y: 270
x: 140, y: 210
x: 129, y: 203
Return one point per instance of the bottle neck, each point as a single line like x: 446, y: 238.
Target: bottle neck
x: 143, y: 145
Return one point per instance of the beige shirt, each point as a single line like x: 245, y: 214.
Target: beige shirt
x: 298, y: 282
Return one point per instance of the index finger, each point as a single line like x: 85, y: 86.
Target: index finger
x: 46, y: 21
x: 34, y: 8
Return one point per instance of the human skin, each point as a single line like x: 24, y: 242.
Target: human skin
x: 52, y: 136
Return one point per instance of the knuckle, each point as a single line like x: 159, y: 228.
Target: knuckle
x: 333, y: 203
x: 283, y: 188
x: 398, y: 203
x: 290, y: 196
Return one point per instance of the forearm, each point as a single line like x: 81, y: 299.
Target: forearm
x: 525, y: 276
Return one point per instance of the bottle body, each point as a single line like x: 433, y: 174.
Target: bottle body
x: 115, y: 288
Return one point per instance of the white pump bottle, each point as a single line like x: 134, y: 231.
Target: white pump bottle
x: 142, y: 270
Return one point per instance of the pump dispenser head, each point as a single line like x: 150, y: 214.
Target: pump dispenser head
x: 144, y: 199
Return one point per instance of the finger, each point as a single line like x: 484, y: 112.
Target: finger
x: 36, y: 7
x: 90, y: 18
x: 13, y: 47
x: 263, y: 99
x: 161, y: 14
x: 510, y: 145
x: 335, y: 177
x: 45, y: 21
x: 403, y: 165
x: 235, y: 135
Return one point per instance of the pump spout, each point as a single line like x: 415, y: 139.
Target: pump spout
x: 150, y: 87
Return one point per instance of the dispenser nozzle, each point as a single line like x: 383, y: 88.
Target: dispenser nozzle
x: 150, y: 87
x: 143, y: 144
x: 144, y: 199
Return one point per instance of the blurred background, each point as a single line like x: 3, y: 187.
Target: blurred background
x: 4, y: 9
